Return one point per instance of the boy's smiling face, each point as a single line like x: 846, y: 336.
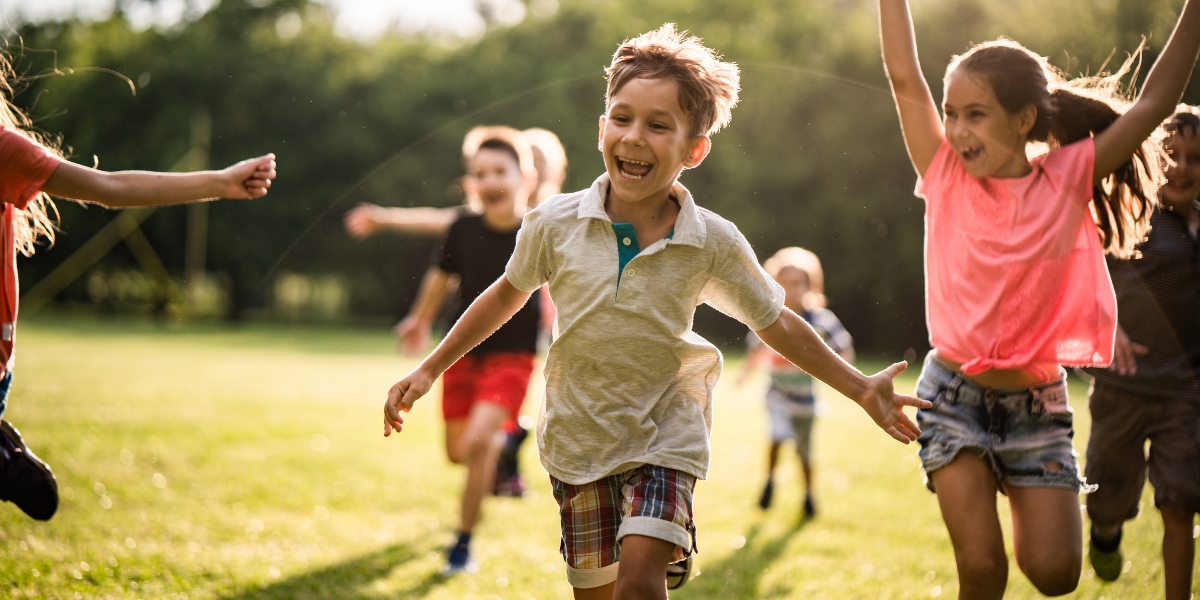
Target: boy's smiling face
x: 496, y: 178
x: 1183, y: 177
x: 645, y: 139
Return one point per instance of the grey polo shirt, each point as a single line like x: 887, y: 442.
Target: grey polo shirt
x: 627, y: 380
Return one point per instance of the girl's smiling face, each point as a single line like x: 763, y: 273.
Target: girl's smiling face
x: 1183, y: 178
x: 989, y: 139
x: 645, y: 139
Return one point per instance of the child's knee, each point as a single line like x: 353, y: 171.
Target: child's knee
x: 983, y: 566
x: 1054, y: 576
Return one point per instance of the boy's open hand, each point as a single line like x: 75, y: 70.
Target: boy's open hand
x: 886, y: 407
x: 248, y: 179
x: 401, y: 398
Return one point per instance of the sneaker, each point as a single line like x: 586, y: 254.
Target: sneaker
x: 507, y: 471
x: 24, y: 479
x: 1106, y: 563
x: 459, y: 559
x: 810, y: 509
x: 764, y: 501
x: 678, y: 573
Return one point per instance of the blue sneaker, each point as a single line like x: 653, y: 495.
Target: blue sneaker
x: 459, y: 559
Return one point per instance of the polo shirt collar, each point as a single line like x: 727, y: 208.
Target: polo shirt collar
x: 689, y: 226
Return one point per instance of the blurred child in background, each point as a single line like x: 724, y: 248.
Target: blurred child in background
x: 364, y: 220
x: 31, y: 170
x: 549, y: 159
x: 1151, y: 392
x: 1016, y: 283
x: 791, y: 406
x: 484, y: 389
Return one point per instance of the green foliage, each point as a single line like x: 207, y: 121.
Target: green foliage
x: 814, y: 156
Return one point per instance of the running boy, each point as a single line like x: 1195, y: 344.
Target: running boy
x: 791, y: 405
x: 483, y: 390
x: 1152, y: 390
x: 624, y: 423
x: 550, y: 162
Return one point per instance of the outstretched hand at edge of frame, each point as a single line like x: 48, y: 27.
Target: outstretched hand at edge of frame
x: 248, y: 179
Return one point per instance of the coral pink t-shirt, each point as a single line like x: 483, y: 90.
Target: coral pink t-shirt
x: 24, y: 168
x: 1014, y: 271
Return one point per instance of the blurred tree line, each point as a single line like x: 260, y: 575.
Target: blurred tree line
x: 814, y: 155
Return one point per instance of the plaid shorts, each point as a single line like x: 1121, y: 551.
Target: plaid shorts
x: 648, y: 500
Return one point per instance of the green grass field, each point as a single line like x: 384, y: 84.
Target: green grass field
x: 205, y: 462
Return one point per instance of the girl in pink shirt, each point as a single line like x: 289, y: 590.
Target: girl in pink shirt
x: 32, y: 169
x: 1016, y: 281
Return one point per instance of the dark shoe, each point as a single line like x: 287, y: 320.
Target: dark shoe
x: 1106, y: 557
x: 764, y: 501
x: 506, y: 465
x: 810, y: 509
x: 459, y: 559
x: 24, y: 479
x: 679, y: 573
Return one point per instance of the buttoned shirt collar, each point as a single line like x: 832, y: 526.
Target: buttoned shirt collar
x: 689, y: 227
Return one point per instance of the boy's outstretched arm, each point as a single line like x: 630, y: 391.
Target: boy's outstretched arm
x: 919, y: 118
x: 1160, y: 94
x: 795, y: 339
x: 366, y: 219
x: 493, y: 308
x: 126, y: 189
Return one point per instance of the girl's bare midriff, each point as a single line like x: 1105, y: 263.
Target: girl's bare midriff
x: 1029, y: 376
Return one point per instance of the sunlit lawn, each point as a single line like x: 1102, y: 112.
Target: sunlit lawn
x: 208, y: 462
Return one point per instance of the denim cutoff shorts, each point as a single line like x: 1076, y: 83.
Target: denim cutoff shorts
x: 1024, y: 435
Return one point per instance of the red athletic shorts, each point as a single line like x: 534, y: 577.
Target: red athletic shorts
x: 497, y: 377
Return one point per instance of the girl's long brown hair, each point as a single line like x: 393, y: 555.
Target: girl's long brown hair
x: 34, y: 221
x: 1072, y: 110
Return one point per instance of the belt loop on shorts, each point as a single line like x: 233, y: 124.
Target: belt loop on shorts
x: 951, y: 393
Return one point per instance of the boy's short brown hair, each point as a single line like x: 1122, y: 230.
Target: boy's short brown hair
x: 708, y: 87
x: 498, y: 137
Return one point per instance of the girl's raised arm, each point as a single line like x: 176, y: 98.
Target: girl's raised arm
x: 919, y: 118
x: 1160, y: 94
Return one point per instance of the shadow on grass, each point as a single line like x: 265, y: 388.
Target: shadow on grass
x: 350, y: 579
x: 740, y: 573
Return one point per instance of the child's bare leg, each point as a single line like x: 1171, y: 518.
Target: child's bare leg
x: 604, y: 592
x: 772, y: 458
x: 806, y: 470
x: 1047, y: 531
x: 1178, y: 550
x: 642, y: 574
x: 966, y: 492
x: 477, y: 447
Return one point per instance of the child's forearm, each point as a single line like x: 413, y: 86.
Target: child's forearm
x: 1169, y: 76
x: 125, y: 189
x: 418, y: 220
x: 899, y: 44
x: 431, y: 296
x: 492, y: 309
x: 796, y: 341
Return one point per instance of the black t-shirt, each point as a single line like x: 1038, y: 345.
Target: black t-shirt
x: 1158, y: 306
x: 478, y: 256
